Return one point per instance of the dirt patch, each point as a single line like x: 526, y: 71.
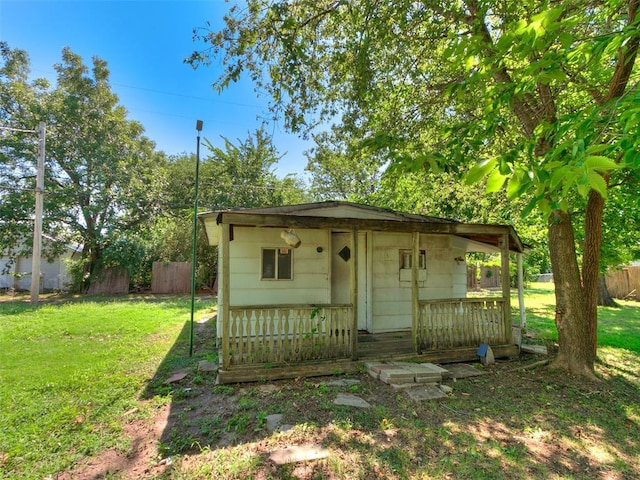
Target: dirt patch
x: 204, y: 418
x: 139, y: 460
x: 512, y: 422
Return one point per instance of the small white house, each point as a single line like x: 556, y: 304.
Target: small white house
x: 53, y: 273
x: 323, y: 284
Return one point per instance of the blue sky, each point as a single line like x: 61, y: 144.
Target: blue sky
x: 144, y: 43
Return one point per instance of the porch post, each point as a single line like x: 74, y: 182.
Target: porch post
x: 415, y: 293
x: 523, y: 315
x: 354, y: 294
x: 506, y: 287
x: 224, y: 311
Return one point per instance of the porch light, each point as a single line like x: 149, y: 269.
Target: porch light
x: 290, y: 238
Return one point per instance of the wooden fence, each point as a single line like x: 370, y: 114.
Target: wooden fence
x: 462, y: 323
x: 171, y: 277
x: 624, y: 283
x: 286, y: 334
x: 489, y: 277
x: 111, y: 281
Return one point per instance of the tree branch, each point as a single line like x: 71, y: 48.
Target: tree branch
x: 521, y: 107
x: 627, y: 54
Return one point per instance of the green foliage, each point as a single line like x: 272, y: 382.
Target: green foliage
x: 100, y: 172
x: 534, y: 98
x: 520, y: 95
x: 240, y: 175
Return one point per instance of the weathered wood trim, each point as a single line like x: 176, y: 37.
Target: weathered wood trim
x: 523, y: 314
x: 415, y: 292
x: 462, y: 323
x: 469, y: 230
x: 292, y: 305
x: 276, y: 334
x: 465, y: 354
x: 505, y: 278
x: 266, y: 373
x: 462, y: 300
x: 354, y: 294
x: 262, y: 373
x: 225, y: 295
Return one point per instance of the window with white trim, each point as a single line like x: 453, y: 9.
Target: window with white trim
x: 277, y: 264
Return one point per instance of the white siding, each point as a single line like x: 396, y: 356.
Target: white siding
x: 439, y: 264
x: 458, y: 274
x: 310, y: 283
x: 53, y: 274
x: 391, y: 302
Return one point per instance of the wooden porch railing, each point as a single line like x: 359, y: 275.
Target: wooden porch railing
x: 286, y: 334
x: 462, y: 322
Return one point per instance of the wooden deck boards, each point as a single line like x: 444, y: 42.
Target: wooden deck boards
x: 382, y: 347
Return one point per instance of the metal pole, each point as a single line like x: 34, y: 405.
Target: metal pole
x: 195, y: 236
x: 37, y: 224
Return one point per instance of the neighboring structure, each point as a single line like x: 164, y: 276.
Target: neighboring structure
x: 310, y: 289
x: 53, y: 273
x: 624, y: 282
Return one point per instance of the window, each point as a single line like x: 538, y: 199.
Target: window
x: 406, y: 260
x: 277, y: 264
x: 406, y: 264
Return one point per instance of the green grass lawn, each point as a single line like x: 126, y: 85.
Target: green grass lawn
x: 69, y: 371
x: 617, y: 327
x: 74, y: 373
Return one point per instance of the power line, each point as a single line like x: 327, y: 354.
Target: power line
x: 174, y: 94
x: 182, y: 95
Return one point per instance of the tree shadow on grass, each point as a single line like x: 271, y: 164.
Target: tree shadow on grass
x: 507, y: 424
x: 191, y: 391
x: 510, y: 423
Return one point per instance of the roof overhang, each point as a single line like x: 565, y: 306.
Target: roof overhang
x: 485, y: 234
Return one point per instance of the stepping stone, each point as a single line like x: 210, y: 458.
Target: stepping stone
x: 462, y: 370
x: 206, y: 366
x: 409, y: 386
x: 344, y: 382
x: 273, y: 422
x: 423, y: 372
x: 399, y: 375
x: 268, y: 388
x: 435, y: 368
x: 446, y: 389
x: 536, y: 349
x: 176, y: 377
x: 298, y: 453
x: 351, y: 400
x: 374, y: 368
x: 427, y: 392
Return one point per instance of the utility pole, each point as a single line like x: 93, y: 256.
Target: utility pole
x: 195, y: 236
x: 37, y: 226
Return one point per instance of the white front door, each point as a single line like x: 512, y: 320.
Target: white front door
x: 341, y: 262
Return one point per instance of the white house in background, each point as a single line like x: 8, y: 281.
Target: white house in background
x: 310, y: 289
x: 53, y: 273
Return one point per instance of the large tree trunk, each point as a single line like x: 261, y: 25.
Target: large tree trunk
x: 574, y: 336
x: 604, y: 297
x: 591, y: 264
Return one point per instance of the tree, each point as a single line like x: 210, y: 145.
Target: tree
x: 100, y: 170
x: 542, y: 95
x: 237, y: 175
x: 17, y: 101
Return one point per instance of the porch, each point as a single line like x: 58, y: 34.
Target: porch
x: 263, y: 342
